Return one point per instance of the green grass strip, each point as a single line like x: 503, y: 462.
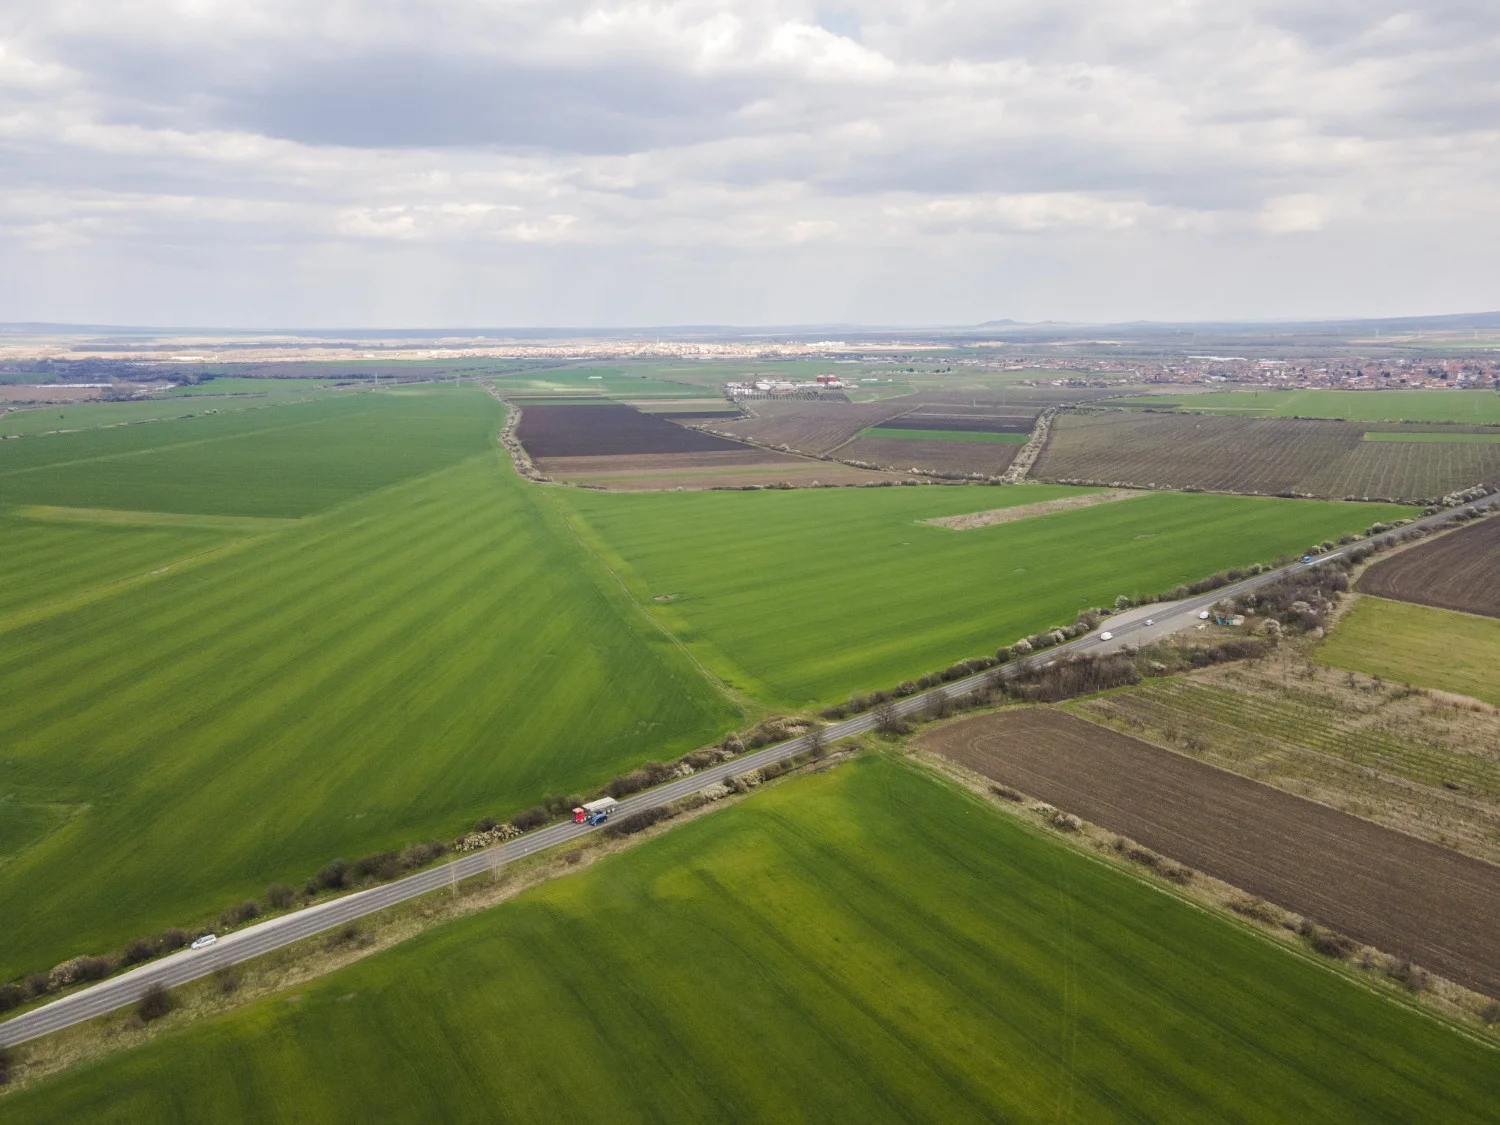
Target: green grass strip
x: 1446, y: 439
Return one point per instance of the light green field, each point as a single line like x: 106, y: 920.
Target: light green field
x: 1438, y: 437
x: 46, y: 560
x: 290, y: 461
x: 803, y: 596
x: 1477, y: 407
x: 944, y: 435
x: 700, y: 406
x: 1416, y: 644
x: 623, y: 381
x: 422, y: 654
x: 685, y: 379
x: 221, y: 396
x: 867, y: 945
x: 273, y: 389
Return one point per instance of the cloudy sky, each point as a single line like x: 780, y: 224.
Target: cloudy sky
x: 569, y: 162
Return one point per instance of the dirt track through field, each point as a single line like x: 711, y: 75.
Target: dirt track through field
x: 1027, y: 511
x: 1412, y: 899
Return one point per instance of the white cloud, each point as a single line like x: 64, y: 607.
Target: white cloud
x: 1288, y: 214
x: 693, y: 141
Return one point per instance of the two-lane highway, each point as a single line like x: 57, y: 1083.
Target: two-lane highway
x: 241, y: 945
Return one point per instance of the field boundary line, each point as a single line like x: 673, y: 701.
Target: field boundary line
x: 1030, y: 453
x: 977, y: 785
x: 1357, y: 594
x: 855, y: 437
x: 23, y: 617
x: 274, y: 933
x: 737, y: 699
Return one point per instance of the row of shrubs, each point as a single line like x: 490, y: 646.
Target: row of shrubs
x: 646, y: 818
x: 963, y: 669
x: 338, y: 875
x: 1298, y: 603
x: 652, y: 774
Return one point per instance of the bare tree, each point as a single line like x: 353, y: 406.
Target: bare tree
x: 938, y: 704
x: 889, y: 721
x: 817, y: 742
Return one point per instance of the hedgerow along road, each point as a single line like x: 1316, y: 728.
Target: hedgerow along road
x: 242, y: 945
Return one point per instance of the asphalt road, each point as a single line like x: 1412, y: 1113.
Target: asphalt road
x: 252, y: 941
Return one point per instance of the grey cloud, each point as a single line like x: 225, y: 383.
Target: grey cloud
x: 931, y: 129
x: 412, y: 99
x: 390, y: 101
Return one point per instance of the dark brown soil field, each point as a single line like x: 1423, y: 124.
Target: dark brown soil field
x: 969, y: 423
x: 595, y: 431
x: 1266, y: 455
x: 1412, y: 899
x: 1457, y: 571
x: 989, y: 457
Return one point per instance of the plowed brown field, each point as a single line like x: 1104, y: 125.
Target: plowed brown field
x: 596, y: 431
x: 941, y: 418
x: 989, y: 457
x: 1458, y: 571
x: 1316, y: 457
x: 1407, y: 897
x: 811, y: 427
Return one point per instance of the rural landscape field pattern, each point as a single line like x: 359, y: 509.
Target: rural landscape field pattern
x: 869, y: 944
x: 357, y: 628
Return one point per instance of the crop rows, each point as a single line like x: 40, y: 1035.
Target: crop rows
x: 892, y: 950
x: 1189, y: 704
x: 1407, y: 469
x: 862, y: 597
x: 1460, y: 571
x: 990, y: 458
x: 1459, y: 406
x: 964, y: 423
x: 810, y: 427
x: 1406, y: 896
x: 281, y: 461
x: 375, y: 675
x: 1265, y: 455
x: 604, y: 431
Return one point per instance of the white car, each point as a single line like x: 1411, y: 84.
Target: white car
x: 204, y: 942
x: 1106, y: 636
x: 1150, y: 621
